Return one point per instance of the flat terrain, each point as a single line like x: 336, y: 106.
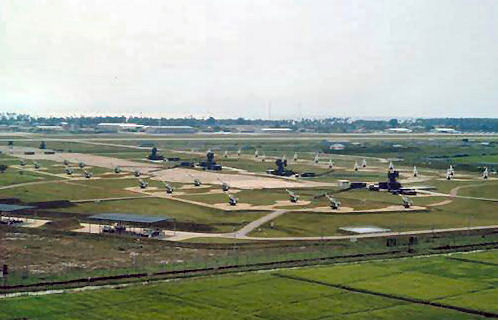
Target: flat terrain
x: 372, y: 290
x: 207, y: 208
x: 207, y: 231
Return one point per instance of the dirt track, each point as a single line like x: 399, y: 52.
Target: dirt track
x: 88, y: 159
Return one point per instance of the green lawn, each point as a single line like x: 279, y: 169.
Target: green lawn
x: 73, y: 146
x: 67, y: 190
x: 12, y: 177
x: 287, y: 294
x: 484, y: 189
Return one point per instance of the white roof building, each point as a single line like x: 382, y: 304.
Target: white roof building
x: 445, y: 130
x: 276, y: 130
x: 169, y: 129
x: 49, y: 128
x: 337, y: 146
x: 399, y: 130
x: 118, y: 126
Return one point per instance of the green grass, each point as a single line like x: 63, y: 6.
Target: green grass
x: 272, y: 295
x: 483, y: 189
x: 73, y: 146
x: 485, y: 256
x: 64, y: 190
x: 12, y: 177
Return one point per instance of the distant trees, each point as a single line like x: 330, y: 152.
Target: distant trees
x: 332, y: 124
x: 211, y: 121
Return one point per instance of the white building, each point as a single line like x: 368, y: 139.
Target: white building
x: 445, y: 130
x: 116, y: 127
x: 169, y: 129
x: 49, y: 128
x: 399, y: 130
x: 276, y: 130
x: 337, y: 146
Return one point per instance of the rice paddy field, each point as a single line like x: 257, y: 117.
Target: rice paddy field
x: 458, y: 286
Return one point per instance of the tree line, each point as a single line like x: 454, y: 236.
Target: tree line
x: 328, y: 125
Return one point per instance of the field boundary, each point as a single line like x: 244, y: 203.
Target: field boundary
x: 474, y: 261
x: 486, y: 314
x: 197, y: 272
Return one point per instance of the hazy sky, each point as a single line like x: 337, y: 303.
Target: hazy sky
x: 232, y: 58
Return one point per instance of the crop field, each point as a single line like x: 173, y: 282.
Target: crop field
x: 407, y: 288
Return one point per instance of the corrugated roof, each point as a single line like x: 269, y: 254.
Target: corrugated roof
x: 128, y: 217
x: 12, y: 207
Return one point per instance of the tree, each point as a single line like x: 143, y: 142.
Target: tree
x: 393, y: 123
x: 3, y: 167
x: 10, y: 143
x: 211, y: 121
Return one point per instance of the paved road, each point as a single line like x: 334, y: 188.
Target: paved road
x: 258, y: 222
x: 11, y: 186
x: 183, y: 137
x: 111, y: 199
x: 453, y: 194
x: 241, y: 233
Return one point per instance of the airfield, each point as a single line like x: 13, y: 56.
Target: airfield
x: 262, y: 198
x: 198, y: 228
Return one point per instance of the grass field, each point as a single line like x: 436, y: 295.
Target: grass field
x: 307, y: 293
x: 460, y: 213
x: 11, y: 177
x: 64, y: 190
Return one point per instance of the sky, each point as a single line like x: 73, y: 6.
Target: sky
x: 278, y: 59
